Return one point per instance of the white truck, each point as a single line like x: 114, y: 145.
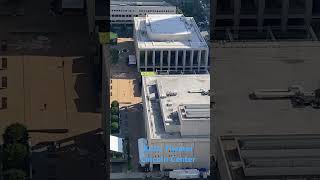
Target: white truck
x: 184, y: 174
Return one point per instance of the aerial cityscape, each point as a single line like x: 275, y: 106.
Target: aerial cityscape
x: 159, y: 89
x: 75, y: 90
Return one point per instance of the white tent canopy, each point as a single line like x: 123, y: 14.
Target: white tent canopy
x: 132, y: 60
x: 116, y: 144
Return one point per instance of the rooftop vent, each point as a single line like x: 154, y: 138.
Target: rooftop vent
x: 168, y: 120
x: 171, y: 93
x: 196, y: 90
x: 170, y: 110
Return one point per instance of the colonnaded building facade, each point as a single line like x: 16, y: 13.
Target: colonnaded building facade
x: 170, y: 42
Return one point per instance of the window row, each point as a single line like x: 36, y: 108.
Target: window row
x: 122, y: 10
x: 142, y: 10
x: 123, y: 15
x: 156, y: 10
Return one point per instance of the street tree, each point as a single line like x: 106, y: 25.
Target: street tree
x: 114, y: 118
x: 15, y: 133
x: 114, y: 110
x: 15, y: 156
x: 14, y: 174
x: 114, y: 127
x: 115, y: 104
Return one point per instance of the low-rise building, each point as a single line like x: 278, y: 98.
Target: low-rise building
x: 177, y: 121
x: 169, y: 42
x: 123, y: 12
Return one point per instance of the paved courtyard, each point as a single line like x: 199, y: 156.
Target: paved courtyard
x: 125, y: 89
x: 46, y: 93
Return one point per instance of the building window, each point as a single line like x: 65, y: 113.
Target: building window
x: 4, y: 104
x: 195, y: 58
x: 273, y: 4
x: 150, y: 60
x: 297, y: 4
x: 180, y: 58
x: 4, y: 63
x: 173, y: 59
x: 157, y: 58
x: 165, y: 58
x: 4, y: 82
x: 203, y: 58
x: 188, y: 56
x: 142, y: 58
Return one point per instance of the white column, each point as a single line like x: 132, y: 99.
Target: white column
x: 199, y: 59
x: 138, y: 60
x: 154, y: 59
x: 161, y: 59
x: 169, y: 59
x: 206, y: 58
x: 184, y: 60
x: 177, y: 58
x: 191, y: 60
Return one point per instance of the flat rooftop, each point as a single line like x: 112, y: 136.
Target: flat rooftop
x: 243, y: 67
x: 176, y: 84
x: 139, y: 3
x: 168, y: 31
x: 269, y: 157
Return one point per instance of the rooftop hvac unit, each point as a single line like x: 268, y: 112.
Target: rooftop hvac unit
x: 170, y: 109
x: 171, y: 93
x: 168, y: 120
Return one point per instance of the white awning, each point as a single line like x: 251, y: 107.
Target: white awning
x: 116, y: 144
x: 132, y: 60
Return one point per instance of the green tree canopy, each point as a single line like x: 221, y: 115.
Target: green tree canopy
x: 15, y: 133
x: 114, y: 118
x: 114, y: 56
x: 115, y: 104
x: 114, y: 110
x: 114, y: 127
x: 14, y: 156
x: 14, y: 174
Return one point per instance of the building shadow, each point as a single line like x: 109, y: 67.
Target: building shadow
x: 136, y: 88
x: 81, y: 65
x: 81, y: 157
x: 87, y: 101
x: 86, y: 85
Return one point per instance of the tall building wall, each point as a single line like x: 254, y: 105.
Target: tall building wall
x: 263, y: 15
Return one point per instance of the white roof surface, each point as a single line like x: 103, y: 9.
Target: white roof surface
x: 181, y: 84
x: 169, y: 26
x: 116, y: 144
x: 167, y: 31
